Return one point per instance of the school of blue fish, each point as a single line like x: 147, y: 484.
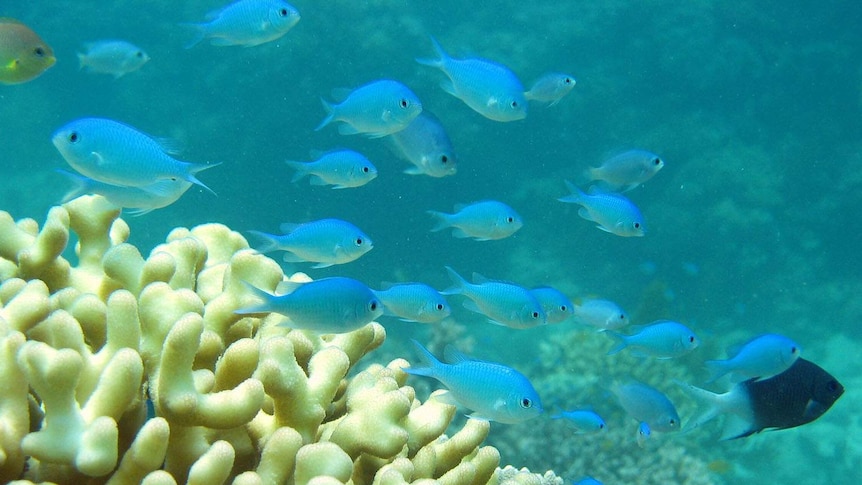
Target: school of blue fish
x: 141, y: 173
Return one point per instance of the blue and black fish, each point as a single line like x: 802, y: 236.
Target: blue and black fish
x: 797, y: 396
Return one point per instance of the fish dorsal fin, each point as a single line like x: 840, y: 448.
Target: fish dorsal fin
x: 478, y: 279
x: 285, y: 287
x: 454, y: 356
x: 340, y: 94
x: 171, y: 146
x: 288, y: 227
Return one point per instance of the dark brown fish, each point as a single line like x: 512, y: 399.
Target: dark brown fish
x: 797, y: 396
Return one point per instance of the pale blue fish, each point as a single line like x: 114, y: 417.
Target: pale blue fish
x: 328, y: 305
x: 247, y: 23
x: 483, y: 221
x: 136, y: 200
x: 115, y: 153
x: 494, y: 392
x: 502, y: 302
x: 612, y: 212
x: 760, y: 358
x: 414, y: 302
x: 643, y: 434
x: 662, y: 339
x: 325, y: 242
x: 425, y: 144
x: 602, y: 314
x: 339, y: 168
x: 551, y: 88
x: 626, y: 170
x: 587, y: 480
x: 556, y: 305
x: 376, y: 109
x: 490, y: 88
x: 585, y: 421
x: 114, y: 57
x: 647, y: 405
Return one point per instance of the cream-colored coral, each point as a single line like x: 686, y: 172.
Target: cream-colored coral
x: 84, y: 346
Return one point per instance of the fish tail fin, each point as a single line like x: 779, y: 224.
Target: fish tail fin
x: 716, y: 368
x: 458, y: 283
x: 441, y: 56
x: 300, y: 167
x: 270, y: 242
x: 441, y: 220
x: 194, y: 168
x: 590, y: 174
x: 709, y: 403
x: 619, y: 339
x: 428, y: 364
x: 265, y: 306
x: 200, y: 32
x: 575, y: 196
x: 81, y: 185
x: 82, y: 60
x: 330, y: 114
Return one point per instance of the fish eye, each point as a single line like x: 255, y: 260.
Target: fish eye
x: 514, y: 104
x: 373, y: 305
x: 567, y: 80
x: 365, y: 169
x: 283, y: 12
x: 73, y: 137
x: 535, y: 314
x: 139, y: 55
x: 444, y: 159
x: 656, y: 161
x: 691, y: 339
x: 622, y: 317
x: 793, y: 350
x: 404, y: 103
x: 832, y: 385
x: 563, y: 308
x: 39, y: 52
x: 672, y: 422
x: 510, y: 219
x: 526, y: 403
x: 637, y: 225
x: 440, y: 307
x: 358, y: 241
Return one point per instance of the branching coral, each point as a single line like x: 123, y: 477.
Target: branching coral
x: 84, y: 346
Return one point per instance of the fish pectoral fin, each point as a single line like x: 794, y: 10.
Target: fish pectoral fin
x: 100, y: 161
x: 813, y: 410
x: 492, y: 102
x: 386, y: 116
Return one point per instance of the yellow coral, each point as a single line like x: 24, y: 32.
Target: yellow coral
x: 84, y: 346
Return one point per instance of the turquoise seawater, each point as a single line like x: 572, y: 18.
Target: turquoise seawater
x: 754, y: 225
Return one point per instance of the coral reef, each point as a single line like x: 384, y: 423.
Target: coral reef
x: 85, y: 346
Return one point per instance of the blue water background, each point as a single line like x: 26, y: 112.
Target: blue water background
x: 754, y: 223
